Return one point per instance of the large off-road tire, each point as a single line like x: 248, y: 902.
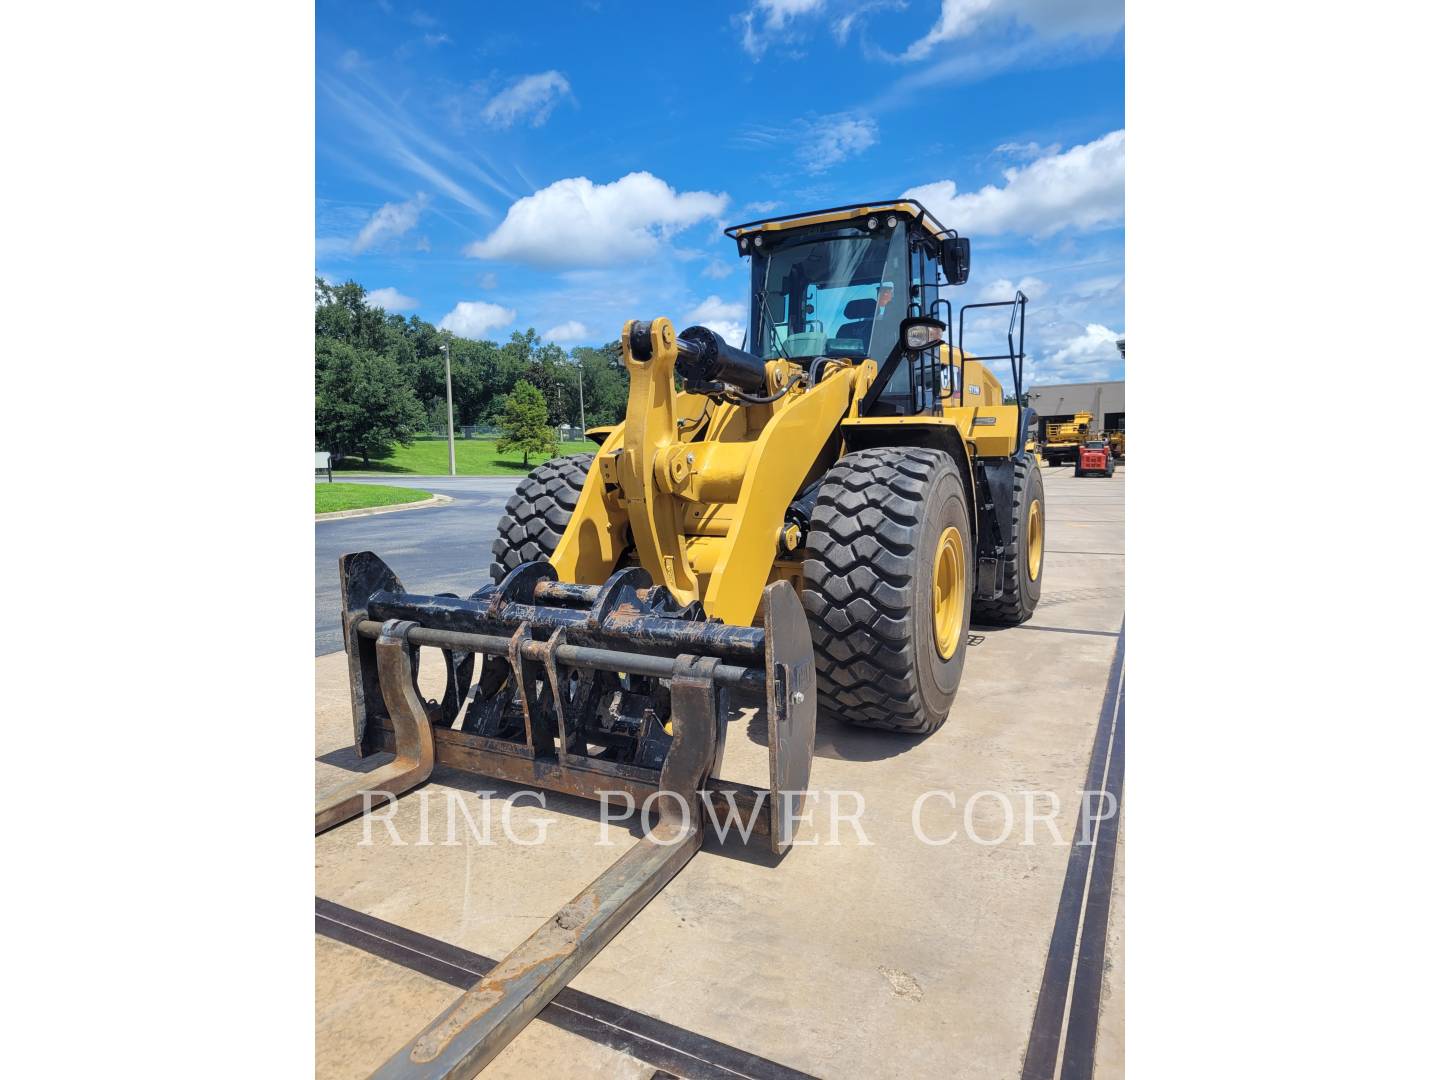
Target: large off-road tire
x: 884, y: 520
x: 536, y: 515
x: 1024, y: 565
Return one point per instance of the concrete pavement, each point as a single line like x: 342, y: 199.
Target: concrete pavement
x: 888, y: 958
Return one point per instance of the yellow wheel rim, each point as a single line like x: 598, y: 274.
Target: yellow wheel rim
x: 949, y: 592
x: 1035, y: 538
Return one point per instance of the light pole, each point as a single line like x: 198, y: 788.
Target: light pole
x: 449, y: 402
x: 580, y: 373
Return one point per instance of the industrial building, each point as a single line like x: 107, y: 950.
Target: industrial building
x: 1103, y: 400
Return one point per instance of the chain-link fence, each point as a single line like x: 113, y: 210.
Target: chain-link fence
x: 566, y: 432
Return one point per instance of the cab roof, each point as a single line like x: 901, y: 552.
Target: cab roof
x: 909, y: 207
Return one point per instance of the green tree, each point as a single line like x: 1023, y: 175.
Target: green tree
x: 541, y: 364
x: 482, y: 372
x: 607, y: 385
x: 342, y: 314
x: 525, y: 423
x: 363, y: 402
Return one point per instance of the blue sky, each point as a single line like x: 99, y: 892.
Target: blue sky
x: 569, y: 165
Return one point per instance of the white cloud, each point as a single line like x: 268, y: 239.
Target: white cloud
x: 750, y: 41
x: 1026, y: 151
x: 818, y: 142
x: 390, y: 299
x: 1004, y: 289
x: 534, y: 96
x: 732, y: 332
x: 1076, y: 355
x: 778, y: 11
x: 475, y: 318
x: 575, y: 222
x: 719, y: 268
x: 1048, y: 18
x: 1107, y: 289
x: 833, y: 139
x: 727, y: 320
x: 1057, y: 18
x: 1083, y: 188
x: 391, y: 132
x: 327, y: 247
x: 567, y: 332
x: 957, y: 18
x: 773, y: 16
x: 860, y: 15
x: 712, y: 307
x: 391, y: 221
x: 759, y: 207
x: 489, y: 280
x: 1096, y: 344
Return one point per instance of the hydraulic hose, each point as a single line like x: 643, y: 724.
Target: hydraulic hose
x: 736, y: 397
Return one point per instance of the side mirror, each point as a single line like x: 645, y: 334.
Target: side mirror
x: 955, y: 259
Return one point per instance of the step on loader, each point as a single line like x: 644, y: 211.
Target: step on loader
x: 809, y: 526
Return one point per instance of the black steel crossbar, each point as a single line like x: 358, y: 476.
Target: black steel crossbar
x: 672, y: 636
x: 581, y: 656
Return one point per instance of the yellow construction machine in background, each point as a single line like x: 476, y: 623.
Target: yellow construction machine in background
x: 1063, y: 439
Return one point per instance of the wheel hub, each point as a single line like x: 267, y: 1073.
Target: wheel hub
x: 1035, y: 539
x: 948, y: 594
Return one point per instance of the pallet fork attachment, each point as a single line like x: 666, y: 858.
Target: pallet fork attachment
x: 582, y: 689
x: 414, y: 738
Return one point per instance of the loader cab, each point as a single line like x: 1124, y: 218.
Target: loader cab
x: 838, y: 283
x: 834, y: 289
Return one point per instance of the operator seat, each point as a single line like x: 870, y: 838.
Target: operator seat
x: 863, y: 312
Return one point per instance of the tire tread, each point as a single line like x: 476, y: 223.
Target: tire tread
x: 537, y: 514
x: 1009, y: 608
x: 858, y: 583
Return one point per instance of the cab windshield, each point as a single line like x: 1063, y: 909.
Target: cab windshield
x: 833, y: 290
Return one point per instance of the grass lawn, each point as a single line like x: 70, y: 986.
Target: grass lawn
x: 332, y: 497
x: 473, y: 457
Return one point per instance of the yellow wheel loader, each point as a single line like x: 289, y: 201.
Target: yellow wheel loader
x: 1063, y: 439
x: 809, y: 523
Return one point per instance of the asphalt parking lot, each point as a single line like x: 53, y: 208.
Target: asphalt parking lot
x: 435, y: 549
x: 977, y: 951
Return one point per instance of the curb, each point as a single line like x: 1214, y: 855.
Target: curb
x: 434, y: 500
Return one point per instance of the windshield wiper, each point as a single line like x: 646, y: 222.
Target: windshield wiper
x: 759, y: 298
x: 765, y: 318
